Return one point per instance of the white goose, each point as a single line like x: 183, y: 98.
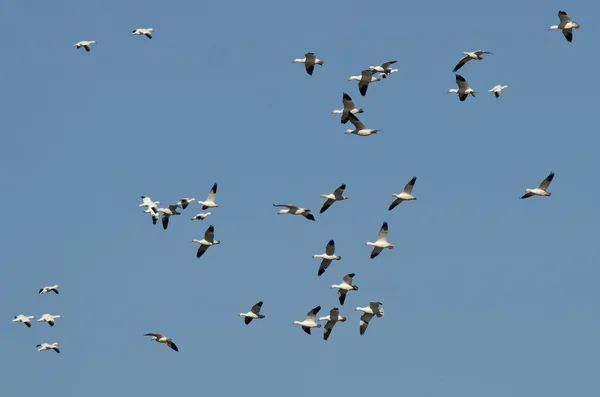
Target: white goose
x: 48, y: 346
x: 468, y: 56
x: 49, y: 318
x: 405, y: 195
x: 253, y: 313
x: 85, y: 44
x: 184, y: 202
x: 345, y: 286
x: 53, y: 288
x: 327, y: 257
x: 348, y: 108
x: 366, y: 77
x: 384, y: 69
x: 360, y: 128
x: 210, y: 201
x: 541, y: 189
x: 566, y: 25
x: 23, y: 319
x: 207, y: 242
x: 382, y: 241
x: 374, y: 309
x: 497, y: 89
x: 201, y: 216
x: 337, y: 195
x: 293, y: 210
x: 160, y: 338
x: 309, y: 322
x: 390, y: 71
x: 167, y: 213
x: 145, y: 32
x: 334, y: 317
x: 147, y: 202
x: 309, y: 61
x: 464, y: 89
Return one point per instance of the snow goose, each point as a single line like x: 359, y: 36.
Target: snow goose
x: 210, y: 201
x: 348, y: 108
x: 366, y: 77
x: 497, y: 89
x: 390, y: 71
x: 53, y: 288
x: 382, y: 241
x: 207, y: 241
x: 344, y: 287
x: 49, y: 318
x: 327, y: 257
x: 160, y: 338
x: 48, y: 346
x: 464, y: 89
x: 293, y: 210
x: 147, y: 202
x: 566, y: 25
x: 167, y: 213
x: 309, y: 322
x: 384, y: 69
x: 337, y: 195
x: 23, y: 319
x: 85, y: 44
x: 145, y: 32
x: 201, y: 216
x: 468, y: 56
x: 334, y: 317
x: 374, y: 309
x: 360, y: 128
x: 309, y: 61
x: 253, y: 313
x: 541, y: 189
x: 405, y: 195
x: 184, y: 202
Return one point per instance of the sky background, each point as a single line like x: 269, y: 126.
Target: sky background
x: 484, y: 295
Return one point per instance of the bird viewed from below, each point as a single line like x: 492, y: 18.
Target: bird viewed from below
x: 541, y: 189
x: 464, y: 89
x: 145, y: 32
x: 384, y: 69
x: 327, y: 257
x: 344, y: 287
x: 160, y: 338
x: 154, y: 213
x: 53, y: 288
x: 210, y: 201
x: 405, y: 195
x: 382, y: 241
x: 49, y: 318
x: 309, y: 61
x: 497, y: 89
x: 167, y: 213
x: 374, y: 309
x: 337, y: 195
x: 48, y: 346
x: 85, y: 44
x: 293, y: 210
x: 201, y: 216
x: 184, y: 202
x: 566, y: 25
x: 21, y: 318
x: 207, y: 242
x: 309, y: 322
x: 468, y: 56
x: 147, y: 202
x: 359, y: 128
x: 366, y: 77
x: 348, y: 108
x: 253, y: 313
x: 332, y: 318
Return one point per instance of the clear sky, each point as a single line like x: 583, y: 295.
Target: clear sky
x: 485, y: 294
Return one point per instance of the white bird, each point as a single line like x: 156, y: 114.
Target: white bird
x: 145, y: 32
x: 49, y: 288
x: 374, y: 309
x: 337, y: 195
x: 384, y: 69
x: 184, y: 202
x: 348, y: 108
x: 382, y: 241
x: 327, y: 257
x: 345, y: 286
x: 201, y: 216
x: 160, y: 338
x: 253, y: 313
x: 334, y: 317
x: 207, y: 241
x: 210, y: 201
x: 85, y: 44
x: 309, y: 322
x: 497, y: 89
x: 309, y: 61
x: 360, y: 128
x: 541, y: 189
x: 49, y: 318
x: 23, y: 319
x: 147, y: 202
x: 48, y: 346
x: 366, y: 77
x: 405, y: 195
x: 464, y: 89
x: 468, y: 56
x: 293, y: 210
x: 167, y: 213
x: 566, y: 25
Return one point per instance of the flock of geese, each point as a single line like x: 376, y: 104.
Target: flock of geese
x: 348, y: 113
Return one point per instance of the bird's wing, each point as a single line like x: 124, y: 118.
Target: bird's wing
x: 308, y: 216
x: 248, y: 320
x: 334, y: 314
x: 461, y: 82
x: 201, y: 250
x: 310, y: 67
x: 340, y: 190
x: 56, y: 349
x: 374, y: 306
x: 409, y: 186
x: 328, y: 328
x: 209, y: 234
x: 463, y: 97
x: 306, y: 329
x: 481, y: 52
x: 165, y: 221
x: 326, y: 205
x: 342, y: 295
x: 461, y: 63
x: 497, y: 93
x: 155, y: 335
x: 546, y: 182
x: 364, y: 322
x: 256, y: 308
x: 324, y: 265
x: 148, y: 35
x: 526, y: 195
x: 330, y: 248
x: 395, y: 203
x: 568, y: 33
x: 356, y: 122
x: 292, y: 208
x: 386, y: 64
x: 348, y: 278
x: 376, y: 251
x: 313, y: 313
x: 383, y: 232
x: 87, y: 48
x: 172, y: 345
x: 213, y: 193
x: 564, y: 18
x: 348, y: 102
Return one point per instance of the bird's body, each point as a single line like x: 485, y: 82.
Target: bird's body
x: 384, y: 69
x: 48, y: 346
x: 374, y: 309
x: 207, y: 242
x: 53, y: 288
x: 210, y: 201
x: 359, y: 128
x: 309, y: 61
x: 21, y: 318
x: 49, y: 318
x: 348, y: 108
x: 85, y: 44
x: 184, y: 202
x: 381, y: 242
x: 497, y: 89
x: 405, y: 195
x: 541, y: 190
x: 254, y: 313
x: 468, y: 56
x: 565, y: 25
x: 167, y: 213
x: 332, y: 318
x: 366, y: 77
x: 160, y: 338
x: 309, y: 322
x: 344, y: 287
x: 464, y: 89
x: 293, y: 210
x: 145, y: 32
x: 337, y: 195
x: 147, y: 202
x: 327, y: 257
x: 201, y: 216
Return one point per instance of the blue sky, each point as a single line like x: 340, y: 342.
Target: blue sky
x: 485, y: 294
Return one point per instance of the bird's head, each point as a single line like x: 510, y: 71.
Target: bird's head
x: 355, y: 287
x: 342, y: 319
x: 349, y: 132
x: 392, y: 246
x: 318, y: 325
x: 215, y: 242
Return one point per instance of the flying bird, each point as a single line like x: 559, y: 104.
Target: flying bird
x: 464, y: 89
x: 85, y: 44
x: 541, y: 189
x: 374, y: 309
x: 309, y: 61
x: 345, y: 286
x: 497, y: 89
x: 332, y: 318
x: 160, y: 338
x: 147, y: 202
x: 207, y: 242
x: 167, y: 213
x: 309, y: 321
x: 53, y: 288
x: 384, y: 69
x: 23, y: 319
x: 145, y: 32
x: 468, y: 56
x: 337, y: 195
x: 48, y: 346
x: 293, y: 210
x: 405, y: 195
x: 184, y: 202
x: 366, y: 77
x: 348, y: 108
x: 210, y: 201
x: 49, y: 318
x: 253, y: 313
x: 360, y: 128
x: 566, y: 25
x: 327, y: 257
x: 382, y: 241
x: 201, y: 216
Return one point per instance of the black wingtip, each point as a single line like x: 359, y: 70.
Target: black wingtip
x: 331, y: 242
